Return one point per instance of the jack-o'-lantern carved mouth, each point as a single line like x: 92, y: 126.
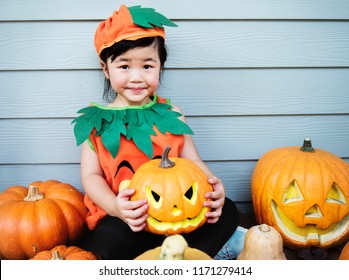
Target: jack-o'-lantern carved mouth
x: 310, y: 233
x: 177, y: 219
x: 183, y: 224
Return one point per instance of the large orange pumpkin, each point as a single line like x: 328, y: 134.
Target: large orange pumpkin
x: 304, y: 193
x: 62, y: 252
x: 38, y: 218
x: 175, y: 189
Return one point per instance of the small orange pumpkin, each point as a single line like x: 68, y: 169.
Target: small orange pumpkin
x: 40, y: 217
x: 304, y: 193
x: 344, y: 255
x: 175, y: 189
x: 62, y: 252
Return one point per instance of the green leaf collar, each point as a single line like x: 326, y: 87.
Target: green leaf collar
x: 135, y: 122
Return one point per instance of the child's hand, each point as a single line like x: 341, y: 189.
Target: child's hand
x: 216, y: 203
x: 134, y: 213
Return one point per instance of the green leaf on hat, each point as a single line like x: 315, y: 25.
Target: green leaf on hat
x: 148, y: 17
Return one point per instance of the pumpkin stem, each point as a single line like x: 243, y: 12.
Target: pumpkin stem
x: 56, y: 256
x: 307, y: 147
x: 165, y: 161
x: 264, y: 228
x: 33, y: 194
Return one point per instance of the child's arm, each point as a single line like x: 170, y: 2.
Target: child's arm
x: 134, y: 213
x: 217, y: 196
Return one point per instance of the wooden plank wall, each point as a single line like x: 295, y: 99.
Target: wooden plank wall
x: 250, y: 75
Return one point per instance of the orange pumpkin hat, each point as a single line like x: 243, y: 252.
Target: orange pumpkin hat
x: 130, y: 23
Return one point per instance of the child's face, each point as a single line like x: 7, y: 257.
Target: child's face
x: 134, y: 75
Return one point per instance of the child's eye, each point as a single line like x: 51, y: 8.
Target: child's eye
x: 125, y: 67
x: 147, y: 66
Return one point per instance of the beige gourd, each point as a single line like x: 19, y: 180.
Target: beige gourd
x: 174, y: 247
x: 262, y: 242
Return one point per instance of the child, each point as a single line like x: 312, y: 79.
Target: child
x: 116, y: 139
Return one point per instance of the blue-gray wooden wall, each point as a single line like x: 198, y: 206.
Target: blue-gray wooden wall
x: 250, y: 75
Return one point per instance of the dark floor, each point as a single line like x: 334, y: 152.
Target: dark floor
x: 248, y: 220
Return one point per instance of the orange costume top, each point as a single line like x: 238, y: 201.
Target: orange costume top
x: 125, y: 138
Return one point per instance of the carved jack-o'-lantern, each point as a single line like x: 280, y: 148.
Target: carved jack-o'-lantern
x: 304, y: 193
x: 175, y: 189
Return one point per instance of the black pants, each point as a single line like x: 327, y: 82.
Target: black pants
x: 114, y: 240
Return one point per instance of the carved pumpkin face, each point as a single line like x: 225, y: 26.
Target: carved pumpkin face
x: 175, y: 190
x: 304, y: 194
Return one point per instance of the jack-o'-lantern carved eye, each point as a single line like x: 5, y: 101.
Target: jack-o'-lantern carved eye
x: 335, y: 195
x: 154, y: 198
x: 293, y: 193
x: 191, y: 194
